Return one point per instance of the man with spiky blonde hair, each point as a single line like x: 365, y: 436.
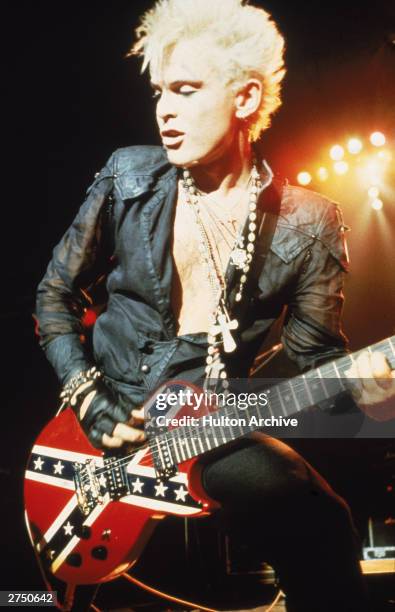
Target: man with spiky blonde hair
x: 199, y: 271
x: 242, y: 41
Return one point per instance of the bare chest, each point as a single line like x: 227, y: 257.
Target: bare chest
x: 193, y: 296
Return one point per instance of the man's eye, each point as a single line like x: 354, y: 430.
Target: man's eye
x: 156, y: 94
x: 186, y: 90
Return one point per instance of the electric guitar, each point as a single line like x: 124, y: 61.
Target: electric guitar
x: 89, y: 514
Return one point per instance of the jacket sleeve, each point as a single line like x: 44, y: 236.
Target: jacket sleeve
x: 312, y: 333
x: 77, y: 261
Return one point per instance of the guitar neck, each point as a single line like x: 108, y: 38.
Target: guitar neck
x: 285, y: 400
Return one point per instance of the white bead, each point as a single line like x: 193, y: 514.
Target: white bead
x: 250, y: 248
x: 246, y: 268
x: 251, y: 237
x: 238, y: 297
x: 252, y: 206
x: 243, y: 279
x: 223, y: 375
x: 249, y: 257
x: 252, y: 227
x: 225, y: 384
x: 209, y: 360
x: 253, y: 197
x: 252, y: 216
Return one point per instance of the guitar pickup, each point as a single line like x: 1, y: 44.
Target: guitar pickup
x: 116, y: 478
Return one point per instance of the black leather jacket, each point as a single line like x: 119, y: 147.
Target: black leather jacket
x: 134, y: 339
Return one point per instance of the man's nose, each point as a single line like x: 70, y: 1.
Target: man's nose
x: 165, y: 109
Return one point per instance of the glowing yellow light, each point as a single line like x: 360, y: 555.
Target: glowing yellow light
x: 304, y: 178
x: 373, y: 192
x: 354, y: 146
x: 377, y: 204
x: 377, y: 139
x: 340, y: 167
x: 384, y: 154
x: 336, y: 152
x: 322, y: 173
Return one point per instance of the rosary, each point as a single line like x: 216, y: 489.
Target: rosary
x: 221, y: 323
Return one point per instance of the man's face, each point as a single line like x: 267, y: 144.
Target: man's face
x: 195, y: 110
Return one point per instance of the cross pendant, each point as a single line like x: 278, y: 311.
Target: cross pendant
x: 223, y: 327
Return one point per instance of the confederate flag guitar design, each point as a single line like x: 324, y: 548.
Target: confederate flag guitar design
x: 89, y: 514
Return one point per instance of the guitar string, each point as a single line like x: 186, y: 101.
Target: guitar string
x: 123, y: 461
x: 197, y: 429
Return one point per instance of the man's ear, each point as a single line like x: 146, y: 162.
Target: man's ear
x: 248, y: 99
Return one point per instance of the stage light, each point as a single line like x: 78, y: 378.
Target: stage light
x: 377, y: 139
x: 336, y: 152
x: 340, y: 167
x: 304, y: 178
x: 377, y: 204
x: 373, y: 192
x: 322, y: 173
x: 354, y: 146
x: 384, y: 154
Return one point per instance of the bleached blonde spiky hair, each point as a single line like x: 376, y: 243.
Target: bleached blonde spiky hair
x: 249, y: 43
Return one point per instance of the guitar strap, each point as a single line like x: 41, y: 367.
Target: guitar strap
x: 268, y: 208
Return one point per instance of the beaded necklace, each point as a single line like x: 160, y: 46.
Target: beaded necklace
x: 221, y: 324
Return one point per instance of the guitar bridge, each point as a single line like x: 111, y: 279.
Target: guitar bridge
x: 164, y: 464
x: 87, y: 486
x: 91, y: 488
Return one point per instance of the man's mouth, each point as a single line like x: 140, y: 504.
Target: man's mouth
x: 172, y: 138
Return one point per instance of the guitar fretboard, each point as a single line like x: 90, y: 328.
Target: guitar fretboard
x: 285, y: 399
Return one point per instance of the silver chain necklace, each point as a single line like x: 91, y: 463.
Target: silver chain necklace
x: 221, y: 324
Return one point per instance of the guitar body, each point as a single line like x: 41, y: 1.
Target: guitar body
x: 96, y: 547
x: 89, y: 515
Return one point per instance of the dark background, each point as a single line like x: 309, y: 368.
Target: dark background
x: 71, y: 99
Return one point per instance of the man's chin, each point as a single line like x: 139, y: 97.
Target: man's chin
x: 179, y: 158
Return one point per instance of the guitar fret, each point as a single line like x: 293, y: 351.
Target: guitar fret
x: 307, y: 390
x: 268, y: 405
x: 344, y: 363
x: 227, y: 433
x: 162, y: 460
x: 176, y: 450
x: 338, y: 375
x: 195, y: 452
x: 200, y: 444
x: 181, y: 446
x: 185, y: 439
x: 212, y: 430
x: 168, y: 448
x: 322, y: 383
x: 294, y: 396
x: 281, y: 400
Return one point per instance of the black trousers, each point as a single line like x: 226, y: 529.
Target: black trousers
x: 277, y: 501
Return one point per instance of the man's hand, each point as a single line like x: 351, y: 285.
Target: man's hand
x: 131, y: 432
x: 106, y: 421
x: 375, y: 395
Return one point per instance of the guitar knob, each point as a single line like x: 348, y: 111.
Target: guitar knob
x: 74, y: 559
x: 99, y: 552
